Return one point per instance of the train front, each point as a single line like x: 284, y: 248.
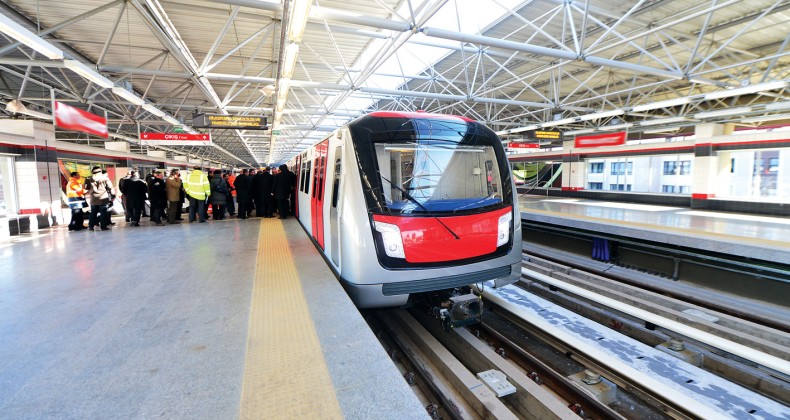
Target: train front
x: 441, y: 206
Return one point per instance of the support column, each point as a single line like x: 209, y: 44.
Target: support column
x: 709, y: 172
x: 572, y: 168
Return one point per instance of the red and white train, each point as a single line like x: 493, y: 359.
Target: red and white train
x: 403, y: 203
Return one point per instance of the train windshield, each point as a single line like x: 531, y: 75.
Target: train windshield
x: 431, y: 165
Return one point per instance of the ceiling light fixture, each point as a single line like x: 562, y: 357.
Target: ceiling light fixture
x: 776, y: 106
x: 289, y: 62
x: 18, y: 32
x: 301, y: 9
x: 661, y: 104
x: 616, y: 126
x: 154, y: 110
x: 723, y: 112
x: 658, y: 121
x: 88, y: 73
x: 767, y: 118
x: 746, y: 90
x: 558, y: 122
x: 603, y: 114
x: 129, y: 96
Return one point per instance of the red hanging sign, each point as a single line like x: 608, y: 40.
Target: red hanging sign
x: 75, y: 119
x: 176, y: 139
x: 514, y: 145
x: 598, y: 140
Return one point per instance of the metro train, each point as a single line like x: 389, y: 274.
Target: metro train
x: 405, y: 203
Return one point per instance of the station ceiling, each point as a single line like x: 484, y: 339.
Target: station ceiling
x: 646, y: 66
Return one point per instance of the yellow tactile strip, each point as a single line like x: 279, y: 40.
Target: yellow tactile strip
x: 285, y: 375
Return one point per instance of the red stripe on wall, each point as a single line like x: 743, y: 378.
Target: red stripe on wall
x: 702, y: 196
x: 30, y: 211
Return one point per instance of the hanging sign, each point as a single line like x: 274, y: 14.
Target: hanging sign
x: 175, y: 139
x: 598, y: 140
x: 544, y: 134
x: 243, y: 122
x: 75, y: 119
x: 514, y: 145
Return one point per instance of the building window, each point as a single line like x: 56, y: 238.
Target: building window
x: 685, y: 167
x: 595, y: 185
x: 620, y: 187
x: 621, y: 168
x: 668, y: 189
x: 596, y: 168
x: 670, y: 167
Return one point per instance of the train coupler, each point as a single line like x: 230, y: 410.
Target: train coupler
x: 459, y: 311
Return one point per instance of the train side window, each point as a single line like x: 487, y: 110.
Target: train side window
x: 336, y: 183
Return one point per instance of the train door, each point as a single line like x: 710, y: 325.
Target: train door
x: 295, y: 196
x: 334, y: 222
x: 317, y: 198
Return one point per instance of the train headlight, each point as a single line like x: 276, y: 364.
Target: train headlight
x: 393, y: 243
x: 503, y: 230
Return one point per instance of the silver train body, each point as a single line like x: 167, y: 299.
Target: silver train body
x: 403, y: 203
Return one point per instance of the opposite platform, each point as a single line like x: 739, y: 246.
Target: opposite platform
x: 154, y: 322
x: 760, y: 237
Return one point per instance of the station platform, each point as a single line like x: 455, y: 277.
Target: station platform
x: 760, y: 237
x: 219, y: 320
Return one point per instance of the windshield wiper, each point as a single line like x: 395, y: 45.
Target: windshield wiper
x: 413, y: 200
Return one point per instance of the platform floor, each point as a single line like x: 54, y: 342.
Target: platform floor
x: 761, y: 237
x: 218, y: 320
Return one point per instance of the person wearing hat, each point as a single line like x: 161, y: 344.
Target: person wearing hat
x: 198, y: 189
x: 99, y: 190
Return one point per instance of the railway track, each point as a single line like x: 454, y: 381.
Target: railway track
x: 550, y: 371
x: 725, y: 327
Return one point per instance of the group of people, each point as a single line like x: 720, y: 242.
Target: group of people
x: 261, y: 191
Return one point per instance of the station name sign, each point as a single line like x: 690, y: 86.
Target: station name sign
x: 175, y: 139
x: 244, y: 122
x: 514, y: 145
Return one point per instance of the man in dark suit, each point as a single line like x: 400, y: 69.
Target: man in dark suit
x: 243, y: 196
x: 283, y: 185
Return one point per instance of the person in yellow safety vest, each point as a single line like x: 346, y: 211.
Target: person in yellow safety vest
x: 198, y: 189
x: 76, y: 195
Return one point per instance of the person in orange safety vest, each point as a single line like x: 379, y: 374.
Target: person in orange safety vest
x: 75, y: 192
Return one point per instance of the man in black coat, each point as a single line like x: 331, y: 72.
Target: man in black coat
x: 135, y: 190
x: 262, y: 185
x: 283, y: 185
x: 157, y: 195
x: 243, y: 196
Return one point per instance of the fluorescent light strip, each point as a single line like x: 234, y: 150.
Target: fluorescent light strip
x: 616, y: 127
x: 129, y: 96
x: 723, y: 112
x: 658, y: 121
x: 522, y: 129
x: 767, y: 118
x: 776, y: 106
x: 282, y: 88
x: 746, y: 90
x: 18, y: 32
x: 300, y: 11
x: 559, y: 122
x: 661, y: 104
x: 154, y: 110
x: 88, y: 73
x: 289, y: 62
x: 603, y: 114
